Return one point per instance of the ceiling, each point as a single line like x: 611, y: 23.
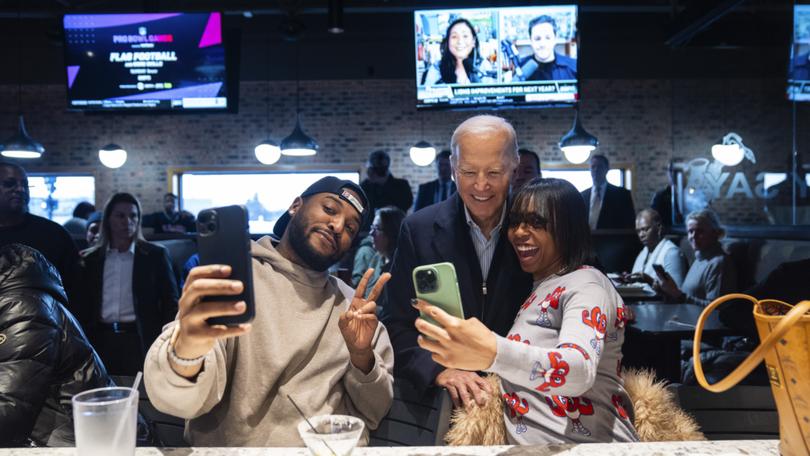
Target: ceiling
x: 618, y: 39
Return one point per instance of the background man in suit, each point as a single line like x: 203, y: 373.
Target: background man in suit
x: 439, y: 189
x: 469, y: 230
x: 528, y: 169
x: 381, y: 187
x: 609, y: 206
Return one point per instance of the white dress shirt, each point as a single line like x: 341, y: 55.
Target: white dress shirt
x: 116, y: 298
x: 484, y: 248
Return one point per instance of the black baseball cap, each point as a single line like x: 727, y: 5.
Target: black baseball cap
x: 335, y: 186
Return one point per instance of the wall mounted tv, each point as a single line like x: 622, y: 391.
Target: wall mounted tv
x: 153, y: 62
x: 799, y: 71
x: 515, y: 57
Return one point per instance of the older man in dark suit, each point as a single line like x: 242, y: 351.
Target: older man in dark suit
x: 439, y: 189
x: 609, y: 206
x: 469, y: 230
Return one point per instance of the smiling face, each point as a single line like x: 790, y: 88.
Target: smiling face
x: 534, y: 245
x: 543, y: 40
x: 14, y: 196
x: 460, y: 41
x: 482, y: 172
x: 322, y: 229
x: 701, y: 235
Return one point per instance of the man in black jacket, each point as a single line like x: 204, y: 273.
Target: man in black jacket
x: 44, y: 357
x: 468, y: 230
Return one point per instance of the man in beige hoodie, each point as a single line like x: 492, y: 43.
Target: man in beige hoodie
x: 311, y: 338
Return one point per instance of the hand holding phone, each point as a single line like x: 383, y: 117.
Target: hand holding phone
x: 437, y: 285
x: 661, y: 272
x: 224, y: 239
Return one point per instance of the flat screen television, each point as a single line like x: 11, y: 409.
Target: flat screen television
x: 799, y: 70
x: 510, y: 57
x: 134, y: 62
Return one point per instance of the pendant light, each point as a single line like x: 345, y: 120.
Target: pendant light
x: 335, y: 15
x: 298, y: 143
x: 267, y: 151
x: 578, y: 144
x: 112, y: 156
x: 20, y: 145
x: 422, y: 153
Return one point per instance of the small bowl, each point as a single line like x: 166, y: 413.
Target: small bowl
x: 337, y: 434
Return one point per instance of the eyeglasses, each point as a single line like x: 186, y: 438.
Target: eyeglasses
x: 376, y: 228
x: 532, y: 220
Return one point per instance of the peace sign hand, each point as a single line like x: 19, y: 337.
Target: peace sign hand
x: 359, y: 322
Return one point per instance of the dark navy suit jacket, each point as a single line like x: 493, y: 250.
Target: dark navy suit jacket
x: 427, y: 193
x: 440, y: 233
x: 617, y: 208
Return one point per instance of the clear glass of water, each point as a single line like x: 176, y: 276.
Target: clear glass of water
x: 105, y: 421
x: 337, y: 434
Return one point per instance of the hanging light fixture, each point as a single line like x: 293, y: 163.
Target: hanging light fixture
x: 112, y: 156
x: 422, y: 153
x: 267, y: 151
x: 20, y: 145
x: 578, y: 144
x: 298, y: 143
x: 335, y: 14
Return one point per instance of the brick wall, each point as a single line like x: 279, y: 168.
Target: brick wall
x: 638, y: 122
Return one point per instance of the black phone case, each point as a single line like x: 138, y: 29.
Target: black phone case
x: 228, y: 243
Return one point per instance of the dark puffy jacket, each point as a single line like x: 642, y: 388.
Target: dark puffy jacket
x: 45, y: 358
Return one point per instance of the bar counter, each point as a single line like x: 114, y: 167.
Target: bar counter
x: 716, y: 447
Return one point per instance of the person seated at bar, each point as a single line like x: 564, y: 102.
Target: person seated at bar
x: 44, y: 356
x: 712, y: 274
x: 558, y: 364
x: 469, y: 230
x: 313, y: 338
x: 657, y: 251
x: 130, y: 288
x: 170, y: 219
x: 377, y: 250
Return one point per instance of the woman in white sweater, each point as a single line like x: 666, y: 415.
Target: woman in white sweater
x: 560, y: 363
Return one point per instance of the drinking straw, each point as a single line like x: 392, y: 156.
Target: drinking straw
x: 124, y: 417
x: 300, y: 412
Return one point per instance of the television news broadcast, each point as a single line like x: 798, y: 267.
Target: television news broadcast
x: 167, y: 61
x: 799, y: 72
x: 496, y: 56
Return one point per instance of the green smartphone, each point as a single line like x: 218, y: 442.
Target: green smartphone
x: 437, y: 284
